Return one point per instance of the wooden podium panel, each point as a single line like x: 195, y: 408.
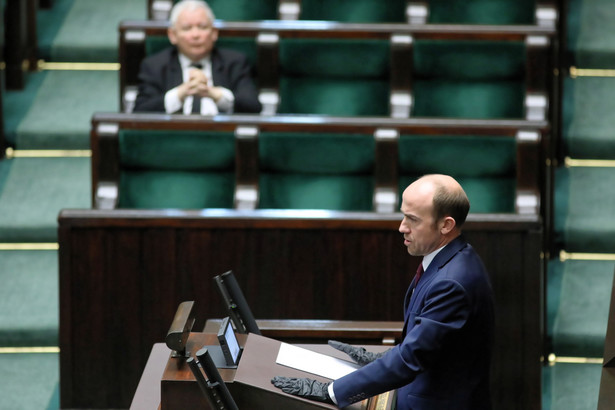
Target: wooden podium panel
x: 250, y: 384
x: 258, y: 366
x: 178, y: 386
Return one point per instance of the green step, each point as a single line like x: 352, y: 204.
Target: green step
x: 29, y: 298
x: 60, y: 114
x: 590, y: 34
x: 88, y: 32
x: 29, y: 381
x: 587, y: 113
x: 34, y: 192
x: 571, y: 386
x: 578, y: 299
x: 584, y: 217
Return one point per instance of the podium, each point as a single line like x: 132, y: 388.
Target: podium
x: 249, y: 384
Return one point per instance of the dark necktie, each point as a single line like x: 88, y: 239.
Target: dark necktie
x: 419, y: 272
x: 196, y: 100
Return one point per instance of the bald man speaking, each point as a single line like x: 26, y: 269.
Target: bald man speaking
x: 444, y: 358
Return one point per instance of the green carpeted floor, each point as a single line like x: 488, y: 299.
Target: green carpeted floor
x: 571, y: 386
x: 59, y: 117
x: 35, y: 191
x: 29, y: 381
x: 89, y: 30
x: 54, y: 112
x: 16, y: 104
x: 591, y: 33
x: 29, y: 298
x: 578, y: 306
x: 584, y: 209
x: 588, y: 107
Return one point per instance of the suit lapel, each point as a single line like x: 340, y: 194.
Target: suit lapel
x: 174, y: 74
x: 217, y: 69
x: 436, y: 264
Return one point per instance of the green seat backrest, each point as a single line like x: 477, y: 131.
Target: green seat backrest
x: 485, y: 166
x: 244, y: 10
x: 482, y: 11
x: 245, y: 45
x: 354, y: 11
x: 334, y: 77
x: 316, y: 171
x: 469, y: 79
x: 176, y: 169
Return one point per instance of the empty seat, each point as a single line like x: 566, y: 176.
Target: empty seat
x: 166, y: 169
x: 484, y: 166
x: 482, y: 11
x: 334, y: 77
x: 316, y: 171
x: 469, y: 79
x: 354, y: 11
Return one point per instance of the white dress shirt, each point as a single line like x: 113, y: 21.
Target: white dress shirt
x: 172, y: 102
x: 425, y: 262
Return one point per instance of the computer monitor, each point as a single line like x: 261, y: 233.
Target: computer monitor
x: 236, y: 304
x: 228, y: 343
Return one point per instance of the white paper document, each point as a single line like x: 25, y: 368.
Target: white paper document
x: 315, y: 363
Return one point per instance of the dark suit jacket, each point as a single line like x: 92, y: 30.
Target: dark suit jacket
x: 443, y: 361
x: 161, y: 71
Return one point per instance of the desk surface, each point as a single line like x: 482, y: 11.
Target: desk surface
x: 147, y: 395
x: 257, y: 371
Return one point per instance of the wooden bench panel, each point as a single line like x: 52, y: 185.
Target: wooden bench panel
x: 529, y: 137
x: 123, y: 273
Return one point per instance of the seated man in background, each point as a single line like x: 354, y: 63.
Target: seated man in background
x: 444, y: 358
x: 194, y: 76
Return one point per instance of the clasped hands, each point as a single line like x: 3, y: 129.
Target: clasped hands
x: 197, y: 85
x: 315, y: 390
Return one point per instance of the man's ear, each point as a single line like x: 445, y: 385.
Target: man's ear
x: 447, y: 225
x: 172, y: 36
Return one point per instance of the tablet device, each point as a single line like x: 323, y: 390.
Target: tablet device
x: 228, y: 342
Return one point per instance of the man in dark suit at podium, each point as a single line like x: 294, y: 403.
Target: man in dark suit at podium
x: 195, y: 76
x: 444, y: 358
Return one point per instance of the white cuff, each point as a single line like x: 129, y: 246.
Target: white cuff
x: 226, y: 103
x: 172, y: 103
x: 331, y: 394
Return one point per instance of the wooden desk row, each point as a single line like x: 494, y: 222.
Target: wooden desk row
x: 267, y: 35
x: 531, y: 138
x: 123, y: 274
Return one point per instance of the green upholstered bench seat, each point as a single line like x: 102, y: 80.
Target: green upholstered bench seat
x: 481, y: 11
x: 485, y: 167
x: 469, y: 79
x: 243, y: 10
x: 334, y: 77
x: 316, y: 171
x: 354, y: 11
x: 245, y: 45
x: 29, y: 298
x: 176, y: 169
